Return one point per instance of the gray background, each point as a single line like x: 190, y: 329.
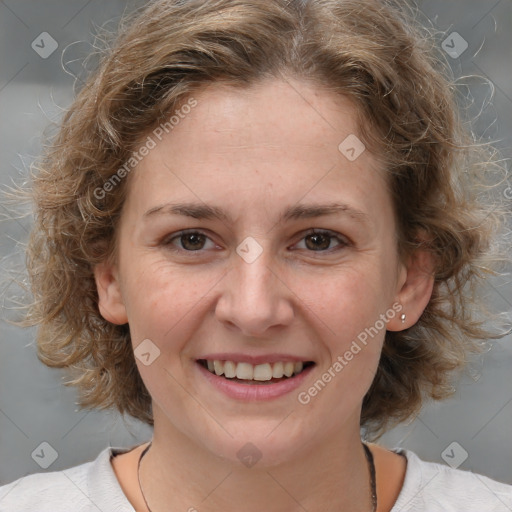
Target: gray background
x: 34, y: 405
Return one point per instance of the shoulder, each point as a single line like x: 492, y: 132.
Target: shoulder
x: 88, y: 487
x: 433, y: 487
x: 46, y: 491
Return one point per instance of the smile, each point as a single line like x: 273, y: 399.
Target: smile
x: 259, y: 373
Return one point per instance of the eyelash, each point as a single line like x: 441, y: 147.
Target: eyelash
x: 343, y: 242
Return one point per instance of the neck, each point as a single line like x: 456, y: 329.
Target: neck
x: 331, y: 476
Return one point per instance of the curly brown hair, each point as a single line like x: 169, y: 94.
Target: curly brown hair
x: 369, y: 52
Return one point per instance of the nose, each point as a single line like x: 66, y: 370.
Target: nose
x: 255, y: 298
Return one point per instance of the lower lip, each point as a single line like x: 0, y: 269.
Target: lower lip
x: 247, y: 392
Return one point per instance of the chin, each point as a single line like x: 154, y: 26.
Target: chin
x: 263, y: 444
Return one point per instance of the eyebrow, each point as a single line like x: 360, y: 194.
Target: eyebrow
x: 204, y: 211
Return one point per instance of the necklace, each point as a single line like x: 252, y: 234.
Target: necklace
x: 373, y: 480
x: 369, y: 459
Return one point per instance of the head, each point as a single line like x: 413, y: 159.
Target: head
x: 256, y: 113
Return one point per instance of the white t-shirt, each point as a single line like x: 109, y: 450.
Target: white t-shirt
x: 93, y: 487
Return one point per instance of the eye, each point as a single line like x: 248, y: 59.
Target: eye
x: 316, y: 240
x: 319, y: 240
x: 189, y: 241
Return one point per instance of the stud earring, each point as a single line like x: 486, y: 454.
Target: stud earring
x: 403, y: 318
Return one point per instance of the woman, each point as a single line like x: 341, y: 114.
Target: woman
x: 254, y: 233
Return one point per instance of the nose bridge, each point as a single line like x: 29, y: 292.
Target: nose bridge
x: 254, y: 281
x: 253, y: 298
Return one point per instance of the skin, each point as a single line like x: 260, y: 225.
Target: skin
x: 255, y: 152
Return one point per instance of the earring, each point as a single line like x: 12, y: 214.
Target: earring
x: 403, y: 318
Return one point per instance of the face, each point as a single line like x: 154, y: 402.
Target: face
x: 249, y: 237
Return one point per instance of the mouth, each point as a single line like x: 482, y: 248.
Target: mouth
x: 254, y: 374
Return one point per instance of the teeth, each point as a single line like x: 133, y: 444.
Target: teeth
x: 288, y: 368
x: 218, y: 367
x: 244, y: 371
x: 229, y: 369
x: 259, y: 372
x: 262, y: 372
x: 278, y: 371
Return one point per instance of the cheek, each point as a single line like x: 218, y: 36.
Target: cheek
x: 352, y: 305
x: 160, y: 298
x: 348, y: 302
x: 352, y: 331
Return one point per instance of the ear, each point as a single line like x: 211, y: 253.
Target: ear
x: 415, y: 286
x: 110, y: 303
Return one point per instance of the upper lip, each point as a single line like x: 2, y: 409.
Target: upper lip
x: 253, y: 359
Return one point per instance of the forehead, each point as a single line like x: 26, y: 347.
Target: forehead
x: 278, y: 138
x: 272, y: 114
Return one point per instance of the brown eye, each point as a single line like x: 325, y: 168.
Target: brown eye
x: 191, y: 241
x: 318, y: 241
x: 321, y: 241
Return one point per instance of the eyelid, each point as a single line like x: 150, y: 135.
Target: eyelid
x: 167, y: 240
x: 343, y: 240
